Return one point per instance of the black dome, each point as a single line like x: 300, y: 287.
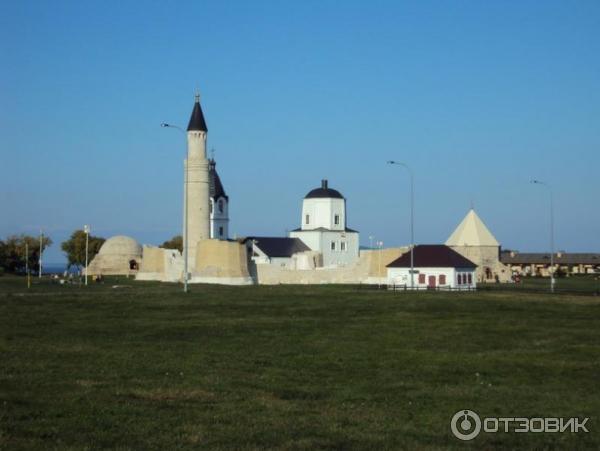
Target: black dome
x: 324, y: 191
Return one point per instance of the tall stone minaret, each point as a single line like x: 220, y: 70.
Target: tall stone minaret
x: 196, y: 186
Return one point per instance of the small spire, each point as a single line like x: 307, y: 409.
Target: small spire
x: 197, y: 97
x: 197, y: 122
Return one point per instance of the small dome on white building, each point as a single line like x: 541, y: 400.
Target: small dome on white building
x: 324, y: 192
x: 121, y: 245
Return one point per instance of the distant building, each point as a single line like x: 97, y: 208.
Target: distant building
x: 473, y: 240
x: 323, y: 227
x: 436, y: 266
x: 538, y: 264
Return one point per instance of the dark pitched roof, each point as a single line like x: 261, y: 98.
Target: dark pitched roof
x: 541, y: 258
x: 323, y: 229
x: 433, y: 256
x: 215, y: 186
x: 197, y: 122
x: 324, y: 192
x: 278, y: 247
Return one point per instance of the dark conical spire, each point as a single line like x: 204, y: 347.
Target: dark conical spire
x: 197, y: 122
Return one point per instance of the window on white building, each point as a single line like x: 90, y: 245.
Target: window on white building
x: 343, y: 246
x: 336, y: 220
x: 220, y: 231
x: 333, y: 245
x: 307, y: 219
x: 221, y: 206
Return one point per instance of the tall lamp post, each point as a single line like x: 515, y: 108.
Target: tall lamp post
x: 412, y: 219
x: 185, y: 215
x: 552, y: 280
x: 40, y: 256
x: 86, y: 229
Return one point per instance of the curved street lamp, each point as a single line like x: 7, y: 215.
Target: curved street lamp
x: 552, y: 280
x: 185, y: 215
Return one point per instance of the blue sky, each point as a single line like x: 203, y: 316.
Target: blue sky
x: 478, y: 97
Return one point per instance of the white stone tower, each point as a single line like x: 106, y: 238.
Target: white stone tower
x: 196, y: 185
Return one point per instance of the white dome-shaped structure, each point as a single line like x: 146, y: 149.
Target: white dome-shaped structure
x: 121, y: 245
x: 119, y: 255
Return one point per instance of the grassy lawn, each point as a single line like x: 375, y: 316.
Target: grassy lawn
x: 144, y: 366
x: 574, y: 284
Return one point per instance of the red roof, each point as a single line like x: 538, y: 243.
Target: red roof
x: 433, y: 256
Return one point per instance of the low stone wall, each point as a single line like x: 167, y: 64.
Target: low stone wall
x: 165, y: 265
x: 369, y: 269
x: 486, y: 256
x: 219, y: 261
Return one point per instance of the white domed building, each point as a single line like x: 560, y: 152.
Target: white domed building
x: 323, y: 227
x: 119, y: 255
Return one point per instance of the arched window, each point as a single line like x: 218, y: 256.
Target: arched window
x: 220, y: 205
x: 336, y: 219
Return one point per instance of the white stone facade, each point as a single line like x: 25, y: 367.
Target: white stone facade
x: 452, y: 278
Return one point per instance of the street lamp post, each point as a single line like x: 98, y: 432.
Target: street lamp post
x: 380, y: 246
x: 412, y: 220
x: 552, y: 280
x: 185, y: 215
x: 40, y: 259
x: 27, y: 264
x: 86, y: 229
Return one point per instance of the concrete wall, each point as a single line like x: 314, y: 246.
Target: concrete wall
x: 219, y: 261
x: 486, y: 256
x: 368, y: 269
x: 165, y: 265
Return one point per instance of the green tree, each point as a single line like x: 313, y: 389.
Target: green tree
x: 2, y: 257
x: 74, y: 248
x: 12, y: 252
x: 174, y: 243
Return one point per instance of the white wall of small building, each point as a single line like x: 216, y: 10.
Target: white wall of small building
x: 343, y: 251
x: 401, y: 276
x: 328, y: 213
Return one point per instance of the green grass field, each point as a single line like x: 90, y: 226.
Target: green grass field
x: 144, y: 366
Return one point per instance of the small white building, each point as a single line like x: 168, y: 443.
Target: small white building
x: 435, y: 266
x: 278, y: 251
x: 324, y: 228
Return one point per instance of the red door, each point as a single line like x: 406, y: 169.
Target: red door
x: 431, y: 282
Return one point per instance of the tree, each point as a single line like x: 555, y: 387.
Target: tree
x: 2, y: 257
x: 12, y: 252
x: 174, y: 243
x: 74, y: 248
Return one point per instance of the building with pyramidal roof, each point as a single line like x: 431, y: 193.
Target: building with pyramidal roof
x: 473, y: 240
